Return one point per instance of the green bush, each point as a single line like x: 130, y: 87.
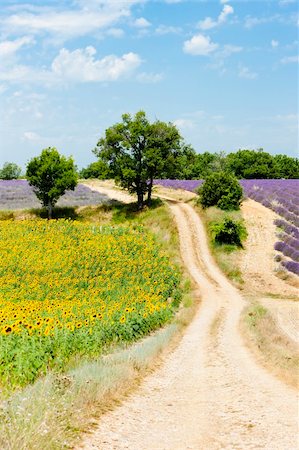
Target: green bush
x: 222, y: 190
x: 228, y: 232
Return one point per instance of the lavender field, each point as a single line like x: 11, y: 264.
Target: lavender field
x: 17, y: 194
x: 282, y: 196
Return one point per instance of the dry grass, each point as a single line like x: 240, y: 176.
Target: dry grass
x: 270, y: 347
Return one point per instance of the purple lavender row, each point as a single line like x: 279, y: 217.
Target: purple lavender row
x: 287, y: 227
x: 287, y: 250
x: 291, y: 266
x: 17, y: 194
x: 187, y: 185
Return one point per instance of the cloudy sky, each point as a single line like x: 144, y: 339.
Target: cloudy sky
x: 225, y: 72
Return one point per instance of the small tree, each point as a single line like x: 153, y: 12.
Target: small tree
x: 51, y: 174
x: 10, y: 171
x: 222, y: 190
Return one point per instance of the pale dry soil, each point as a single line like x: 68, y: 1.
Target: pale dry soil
x: 259, y: 270
x: 209, y: 393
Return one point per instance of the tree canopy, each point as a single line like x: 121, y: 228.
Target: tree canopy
x: 10, y: 171
x: 138, y: 151
x: 51, y: 174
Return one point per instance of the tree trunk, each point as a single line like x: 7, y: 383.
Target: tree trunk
x: 140, y: 200
x: 50, y: 210
x: 149, y: 192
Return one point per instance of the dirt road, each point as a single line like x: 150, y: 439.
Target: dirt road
x: 209, y: 394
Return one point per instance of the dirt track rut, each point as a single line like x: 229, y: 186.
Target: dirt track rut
x: 209, y: 393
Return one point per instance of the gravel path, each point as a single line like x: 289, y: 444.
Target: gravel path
x: 209, y: 393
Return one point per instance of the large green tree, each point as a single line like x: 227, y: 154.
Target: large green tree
x: 138, y: 151
x: 51, y: 174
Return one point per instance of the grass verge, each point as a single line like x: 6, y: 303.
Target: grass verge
x: 226, y: 256
x: 271, y: 348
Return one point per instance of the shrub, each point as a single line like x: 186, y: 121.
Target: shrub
x: 222, y: 190
x: 228, y: 232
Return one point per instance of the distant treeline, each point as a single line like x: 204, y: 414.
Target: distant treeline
x: 190, y: 165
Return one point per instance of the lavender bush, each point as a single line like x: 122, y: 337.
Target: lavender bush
x: 291, y: 266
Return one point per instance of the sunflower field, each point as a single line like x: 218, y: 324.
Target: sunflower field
x: 70, y: 289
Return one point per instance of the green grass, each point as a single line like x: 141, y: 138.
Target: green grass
x: 226, y: 256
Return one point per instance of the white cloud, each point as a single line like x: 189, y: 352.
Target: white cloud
x: 149, y: 77
x: 245, y: 72
x: 199, y: 45
x: 290, y: 59
x: 184, y: 124
x: 286, y: 2
x: 227, y: 10
x: 251, y: 22
x: 164, y: 29
x: 9, y: 48
x: 80, y: 65
x: 75, y: 66
x: 229, y: 50
x: 115, y: 32
x: 141, y: 23
x: 31, y: 136
x: 209, y: 23
x: 3, y: 88
x: 90, y: 17
x: 274, y: 43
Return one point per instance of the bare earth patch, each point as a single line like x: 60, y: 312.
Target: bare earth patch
x: 257, y: 262
x: 108, y: 188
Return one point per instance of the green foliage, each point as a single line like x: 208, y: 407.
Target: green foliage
x: 228, y: 232
x: 222, y: 190
x: 98, y: 169
x: 137, y: 151
x: 51, y: 174
x: 243, y: 164
x: 10, y: 171
x: 251, y: 164
x: 286, y: 167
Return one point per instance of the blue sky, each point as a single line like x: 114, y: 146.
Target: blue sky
x: 225, y: 72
